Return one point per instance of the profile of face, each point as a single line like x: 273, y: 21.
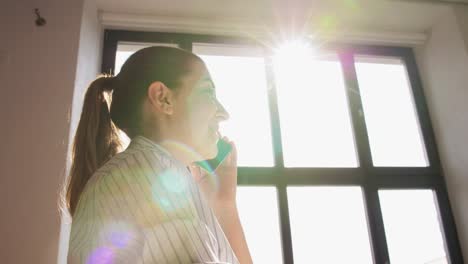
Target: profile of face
x: 205, y: 113
x: 192, y: 113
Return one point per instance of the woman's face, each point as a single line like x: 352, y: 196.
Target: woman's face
x: 199, y: 111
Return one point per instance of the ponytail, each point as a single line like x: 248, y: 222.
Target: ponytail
x: 96, y: 139
x: 97, y: 136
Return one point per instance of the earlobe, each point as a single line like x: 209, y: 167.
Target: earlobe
x: 160, y: 97
x: 168, y: 109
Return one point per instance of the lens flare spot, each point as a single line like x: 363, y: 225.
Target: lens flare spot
x: 293, y: 53
x: 170, y: 192
x: 118, y: 234
x: 328, y: 22
x: 352, y: 4
x: 120, y: 239
x: 173, y: 181
x: 165, y: 203
x: 101, y: 255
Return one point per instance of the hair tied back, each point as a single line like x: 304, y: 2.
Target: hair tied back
x: 103, y: 86
x: 107, y: 82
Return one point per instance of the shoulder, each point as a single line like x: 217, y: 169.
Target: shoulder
x: 134, y: 159
x: 141, y: 179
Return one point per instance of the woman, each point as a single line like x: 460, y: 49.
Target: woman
x: 150, y: 203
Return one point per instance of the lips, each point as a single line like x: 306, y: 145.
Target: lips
x: 215, y: 131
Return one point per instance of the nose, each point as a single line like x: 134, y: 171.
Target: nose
x: 221, y: 113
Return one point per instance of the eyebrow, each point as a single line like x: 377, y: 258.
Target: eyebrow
x: 206, y: 79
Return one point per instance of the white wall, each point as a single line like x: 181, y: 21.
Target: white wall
x: 88, y: 67
x: 38, y: 76
x: 461, y: 14
x: 443, y: 64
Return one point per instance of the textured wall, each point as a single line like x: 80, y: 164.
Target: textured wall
x: 443, y: 62
x: 37, y: 68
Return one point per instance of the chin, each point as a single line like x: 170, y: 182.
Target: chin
x: 212, y: 151
x: 208, y: 149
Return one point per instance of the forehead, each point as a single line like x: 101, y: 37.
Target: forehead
x: 204, y: 81
x: 200, y: 76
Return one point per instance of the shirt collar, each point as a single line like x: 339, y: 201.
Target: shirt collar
x: 144, y: 142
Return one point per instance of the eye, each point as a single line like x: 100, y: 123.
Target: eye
x: 210, y: 92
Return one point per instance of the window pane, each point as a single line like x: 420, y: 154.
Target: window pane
x: 412, y: 227
x: 389, y: 110
x: 328, y: 225
x: 125, y: 50
x: 315, y: 122
x: 240, y: 79
x: 261, y: 228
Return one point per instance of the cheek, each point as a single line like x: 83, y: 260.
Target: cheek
x: 201, y: 115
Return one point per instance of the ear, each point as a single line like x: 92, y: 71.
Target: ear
x: 161, y: 97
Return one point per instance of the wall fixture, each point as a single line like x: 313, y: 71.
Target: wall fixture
x: 40, y: 21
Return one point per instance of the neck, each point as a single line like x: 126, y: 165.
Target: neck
x: 180, y: 151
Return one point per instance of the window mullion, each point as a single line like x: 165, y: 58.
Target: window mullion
x: 422, y: 112
x: 186, y: 44
x: 356, y: 110
x: 109, y: 52
x: 452, y: 246
x: 286, y: 238
x: 279, y: 163
x: 376, y: 225
x: 374, y: 213
x: 274, y: 114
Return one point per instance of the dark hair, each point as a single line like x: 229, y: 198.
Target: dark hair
x: 97, y: 139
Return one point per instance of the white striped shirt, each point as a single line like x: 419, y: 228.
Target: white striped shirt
x: 143, y: 206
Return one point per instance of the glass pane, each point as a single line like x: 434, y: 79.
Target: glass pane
x: 328, y: 225
x: 389, y: 110
x: 315, y: 121
x: 258, y: 210
x: 124, y: 51
x: 412, y: 227
x: 240, y: 79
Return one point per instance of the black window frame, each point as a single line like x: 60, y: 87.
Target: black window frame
x: 369, y: 178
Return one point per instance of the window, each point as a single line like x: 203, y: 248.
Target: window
x: 261, y: 227
x: 125, y: 49
x: 241, y: 86
x: 314, y: 115
x: 412, y: 226
x: 328, y: 220
x: 337, y: 160
x: 391, y: 119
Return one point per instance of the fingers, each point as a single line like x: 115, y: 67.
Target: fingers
x: 231, y: 159
x: 234, y: 153
x: 197, y: 172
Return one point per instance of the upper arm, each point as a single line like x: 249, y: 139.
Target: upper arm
x: 147, y: 190
x: 157, y: 198
x: 102, y: 233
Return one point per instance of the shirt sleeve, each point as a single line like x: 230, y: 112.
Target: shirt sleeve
x: 145, y: 212
x: 101, y: 234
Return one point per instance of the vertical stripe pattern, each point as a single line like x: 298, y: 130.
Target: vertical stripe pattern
x: 144, y: 206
